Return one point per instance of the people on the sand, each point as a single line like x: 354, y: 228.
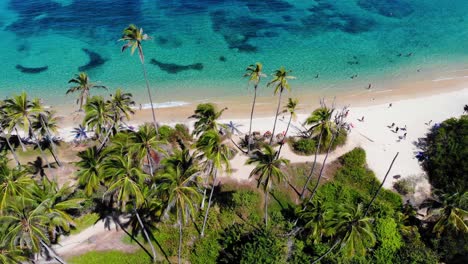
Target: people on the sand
x: 362, y: 119
x: 391, y: 126
x: 390, y: 105
x: 369, y: 86
x: 428, y: 123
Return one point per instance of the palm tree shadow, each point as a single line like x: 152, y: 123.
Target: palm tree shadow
x: 294, y: 188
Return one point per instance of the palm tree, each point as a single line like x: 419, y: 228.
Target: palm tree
x: 11, y: 255
x: 280, y: 81
x: 216, y: 155
x: 90, y: 170
x: 314, y: 218
x: 3, y: 124
x: 80, y: 133
x: 206, y: 116
x: 181, y: 194
x: 254, y: 73
x: 57, y: 205
x: 450, y: 212
x: 121, y: 105
x: 134, y: 37
x: 291, y: 108
x: 20, y: 110
x: 13, y: 183
x: 143, y: 143
x: 125, y: 180
x: 26, y: 227
x: 268, y: 170
x: 43, y: 124
x: 352, y: 228
x: 83, y: 85
x: 98, y: 116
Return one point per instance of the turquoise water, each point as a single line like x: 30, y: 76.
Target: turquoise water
x: 200, y: 48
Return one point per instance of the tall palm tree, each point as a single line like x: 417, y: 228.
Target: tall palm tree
x: 280, y: 82
x: 134, y: 37
x: 43, y: 124
x: 268, y: 170
x: 291, y: 107
x: 216, y: 155
x: 254, y: 73
x: 352, y: 228
x: 90, y: 170
x: 206, y: 116
x: 320, y: 119
x: 181, y: 194
x: 450, y: 212
x: 83, y: 85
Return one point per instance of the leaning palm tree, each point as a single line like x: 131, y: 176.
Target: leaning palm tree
x: 280, y: 82
x: 125, y: 181
x: 134, y: 37
x: 26, y: 227
x: 268, y: 170
x: 83, y: 85
x: 20, y: 111
x: 291, y: 107
x: 254, y: 73
x: 216, y: 155
x: 44, y: 123
x: 182, y: 195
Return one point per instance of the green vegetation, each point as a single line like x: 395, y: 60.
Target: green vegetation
x: 443, y: 155
x: 111, y: 257
x: 83, y: 222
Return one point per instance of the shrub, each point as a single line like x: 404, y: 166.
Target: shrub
x: 165, y: 132
x: 206, y: 250
x: 304, y: 146
x: 444, y: 152
x: 389, y: 240
x: 416, y: 253
x: 246, y: 203
x: 404, y: 186
x: 354, y: 158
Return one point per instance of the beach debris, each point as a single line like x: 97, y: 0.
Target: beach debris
x: 31, y: 69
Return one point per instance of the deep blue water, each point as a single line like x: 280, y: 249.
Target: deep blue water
x: 200, y: 48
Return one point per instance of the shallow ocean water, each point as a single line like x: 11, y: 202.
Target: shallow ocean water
x: 200, y: 48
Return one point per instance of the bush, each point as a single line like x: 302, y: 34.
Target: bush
x: 416, y: 253
x: 354, y: 158
x: 404, y: 186
x: 444, y: 152
x: 206, y: 250
x: 165, y: 132
x: 246, y: 203
x: 389, y: 240
x: 304, y: 146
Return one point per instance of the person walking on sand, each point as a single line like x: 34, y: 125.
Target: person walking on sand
x: 389, y: 105
x: 404, y: 136
x: 396, y: 129
x: 140, y: 107
x: 362, y: 119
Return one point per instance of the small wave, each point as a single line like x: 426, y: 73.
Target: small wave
x: 449, y: 78
x: 163, y: 105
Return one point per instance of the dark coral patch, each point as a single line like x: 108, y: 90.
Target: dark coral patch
x: 95, y: 60
x: 173, y: 68
x: 31, y: 69
x: 388, y: 8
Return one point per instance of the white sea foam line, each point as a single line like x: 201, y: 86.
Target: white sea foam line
x: 384, y: 91
x: 163, y: 105
x: 449, y: 78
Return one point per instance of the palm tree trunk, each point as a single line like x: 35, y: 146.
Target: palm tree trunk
x: 284, y: 137
x: 146, y: 235
x: 251, y: 118
x: 328, y: 252
x: 38, y: 144
x: 150, y: 161
x: 380, y: 187
x: 150, y: 98
x: 215, y: 174
x: 204, y: 191
x: 56, y: 257
x: 266, y: 206
x: 179, y: 220
x: 19, y: 139
x: 276, y: 116
x: 104, y: 141
x: 13, y: 152
x: 323, y: 165
x: 313, y: 165
x: 53, y: 151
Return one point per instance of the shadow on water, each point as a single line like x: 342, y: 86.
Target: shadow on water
x: 95, y: 60
x: 173, y: 68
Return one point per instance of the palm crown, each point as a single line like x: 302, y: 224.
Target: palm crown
x: 134, y: 36
x: 83, y: 85
x: 280, y: 80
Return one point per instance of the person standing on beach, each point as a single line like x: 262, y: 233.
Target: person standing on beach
x: 140, y: 107
x: 390, y: 105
